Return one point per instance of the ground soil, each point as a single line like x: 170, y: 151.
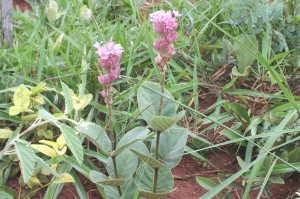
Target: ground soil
x: 186, y: 186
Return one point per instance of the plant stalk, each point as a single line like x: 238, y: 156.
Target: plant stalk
x: 162, y: 84
x: 156, y: 157
x: 111, y: 133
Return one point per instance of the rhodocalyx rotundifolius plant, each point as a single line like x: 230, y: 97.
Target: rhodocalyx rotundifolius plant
x: 133, y: 169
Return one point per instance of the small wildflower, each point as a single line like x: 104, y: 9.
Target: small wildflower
x: 109, y: 58
x: 165, y: 24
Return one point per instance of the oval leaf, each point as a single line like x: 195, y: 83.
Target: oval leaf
x: 27, y: 160
x: 96, y: 135
x: 144, y: 179
x: 134, y: 135
x: 126, y: 162
x: 171, y: 146
x: 148, y: 97
x: 148, y: 159
x: 206, y: 183
x: 72, y: 141
x: 63, y: 178
x: 162, y: 123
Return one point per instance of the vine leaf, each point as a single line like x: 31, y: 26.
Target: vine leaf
x: 27, y: 159
x: 72, y: 141
x: 68, y: 98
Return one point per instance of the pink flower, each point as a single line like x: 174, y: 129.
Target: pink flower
x: 165, y: 24
x: 109, y: 58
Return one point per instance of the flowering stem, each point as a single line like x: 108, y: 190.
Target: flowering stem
x: 156, y: 157
x: 111, y: 132
x: 162, y: 83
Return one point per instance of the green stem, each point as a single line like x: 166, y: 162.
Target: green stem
x: 116, y: 173
x: 162, y: 84
x: 111, y: 132
x: 156, y: 157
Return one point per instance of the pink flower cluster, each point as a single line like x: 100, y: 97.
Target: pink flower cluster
x: 165, y: 24
x: 109, y: 58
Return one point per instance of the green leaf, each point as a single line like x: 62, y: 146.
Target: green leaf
x: 96, y: 135
x: 63, y: 178
x: 4, y: 195
x: 241, y: 113
x: 152, y: 195
x: 72, y: 141
x: 126, y: 163
x: 81, y: 102
x: 148, y: 98
x: 68, y: 98
x: 294, y: 155
x: 27, y: 160
x: 5, y: 133
x: 161, y: 123
x: 148, y: 159
x: 144, y: 180
x: 43, y: 114
x: 244, y: 57
x: 206, y: 183
x: 100, y: 178
x: 245, y: 73
x: 134, y: 135
x: 171, y: 146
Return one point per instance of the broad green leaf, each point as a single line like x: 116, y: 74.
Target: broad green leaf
x: 241, y: 113
x: 72, y: 141
x: 4, y: 195
x: 68, y: 98
x: 96, y: 135
x: 171, y: 146
x: 134, y: 135
x: 44, y: 149
x: 294, y: 155
x: 148, y: 98
x: 100, y: 178
x: 276, y: 180
x: 27, y: 160
x: 148, y: 159
x: 96, y: 176
x: 126, y: 163
x: 144, y: 179
x: 244, y: 57
x: 206, y: 183
x: 161, y: 123
x: 63, y: 178
x: 5, y: 133
x: 152, y: 195
x: 45, y: 166
x: 237, y: 73
x: 43, y: 114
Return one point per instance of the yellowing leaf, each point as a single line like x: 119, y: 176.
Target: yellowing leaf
x: 34, y: 182
x: 39, y: 99
x: 5, y: 133
x: 22, y: 97
x: 61, y: 142
x: 14, y: 110
x: 62, y: 151
x: 49, y: 143
x: 39, y: 88
x: 44, y: 149
x: 63, y: 178
x: 80, y: 103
